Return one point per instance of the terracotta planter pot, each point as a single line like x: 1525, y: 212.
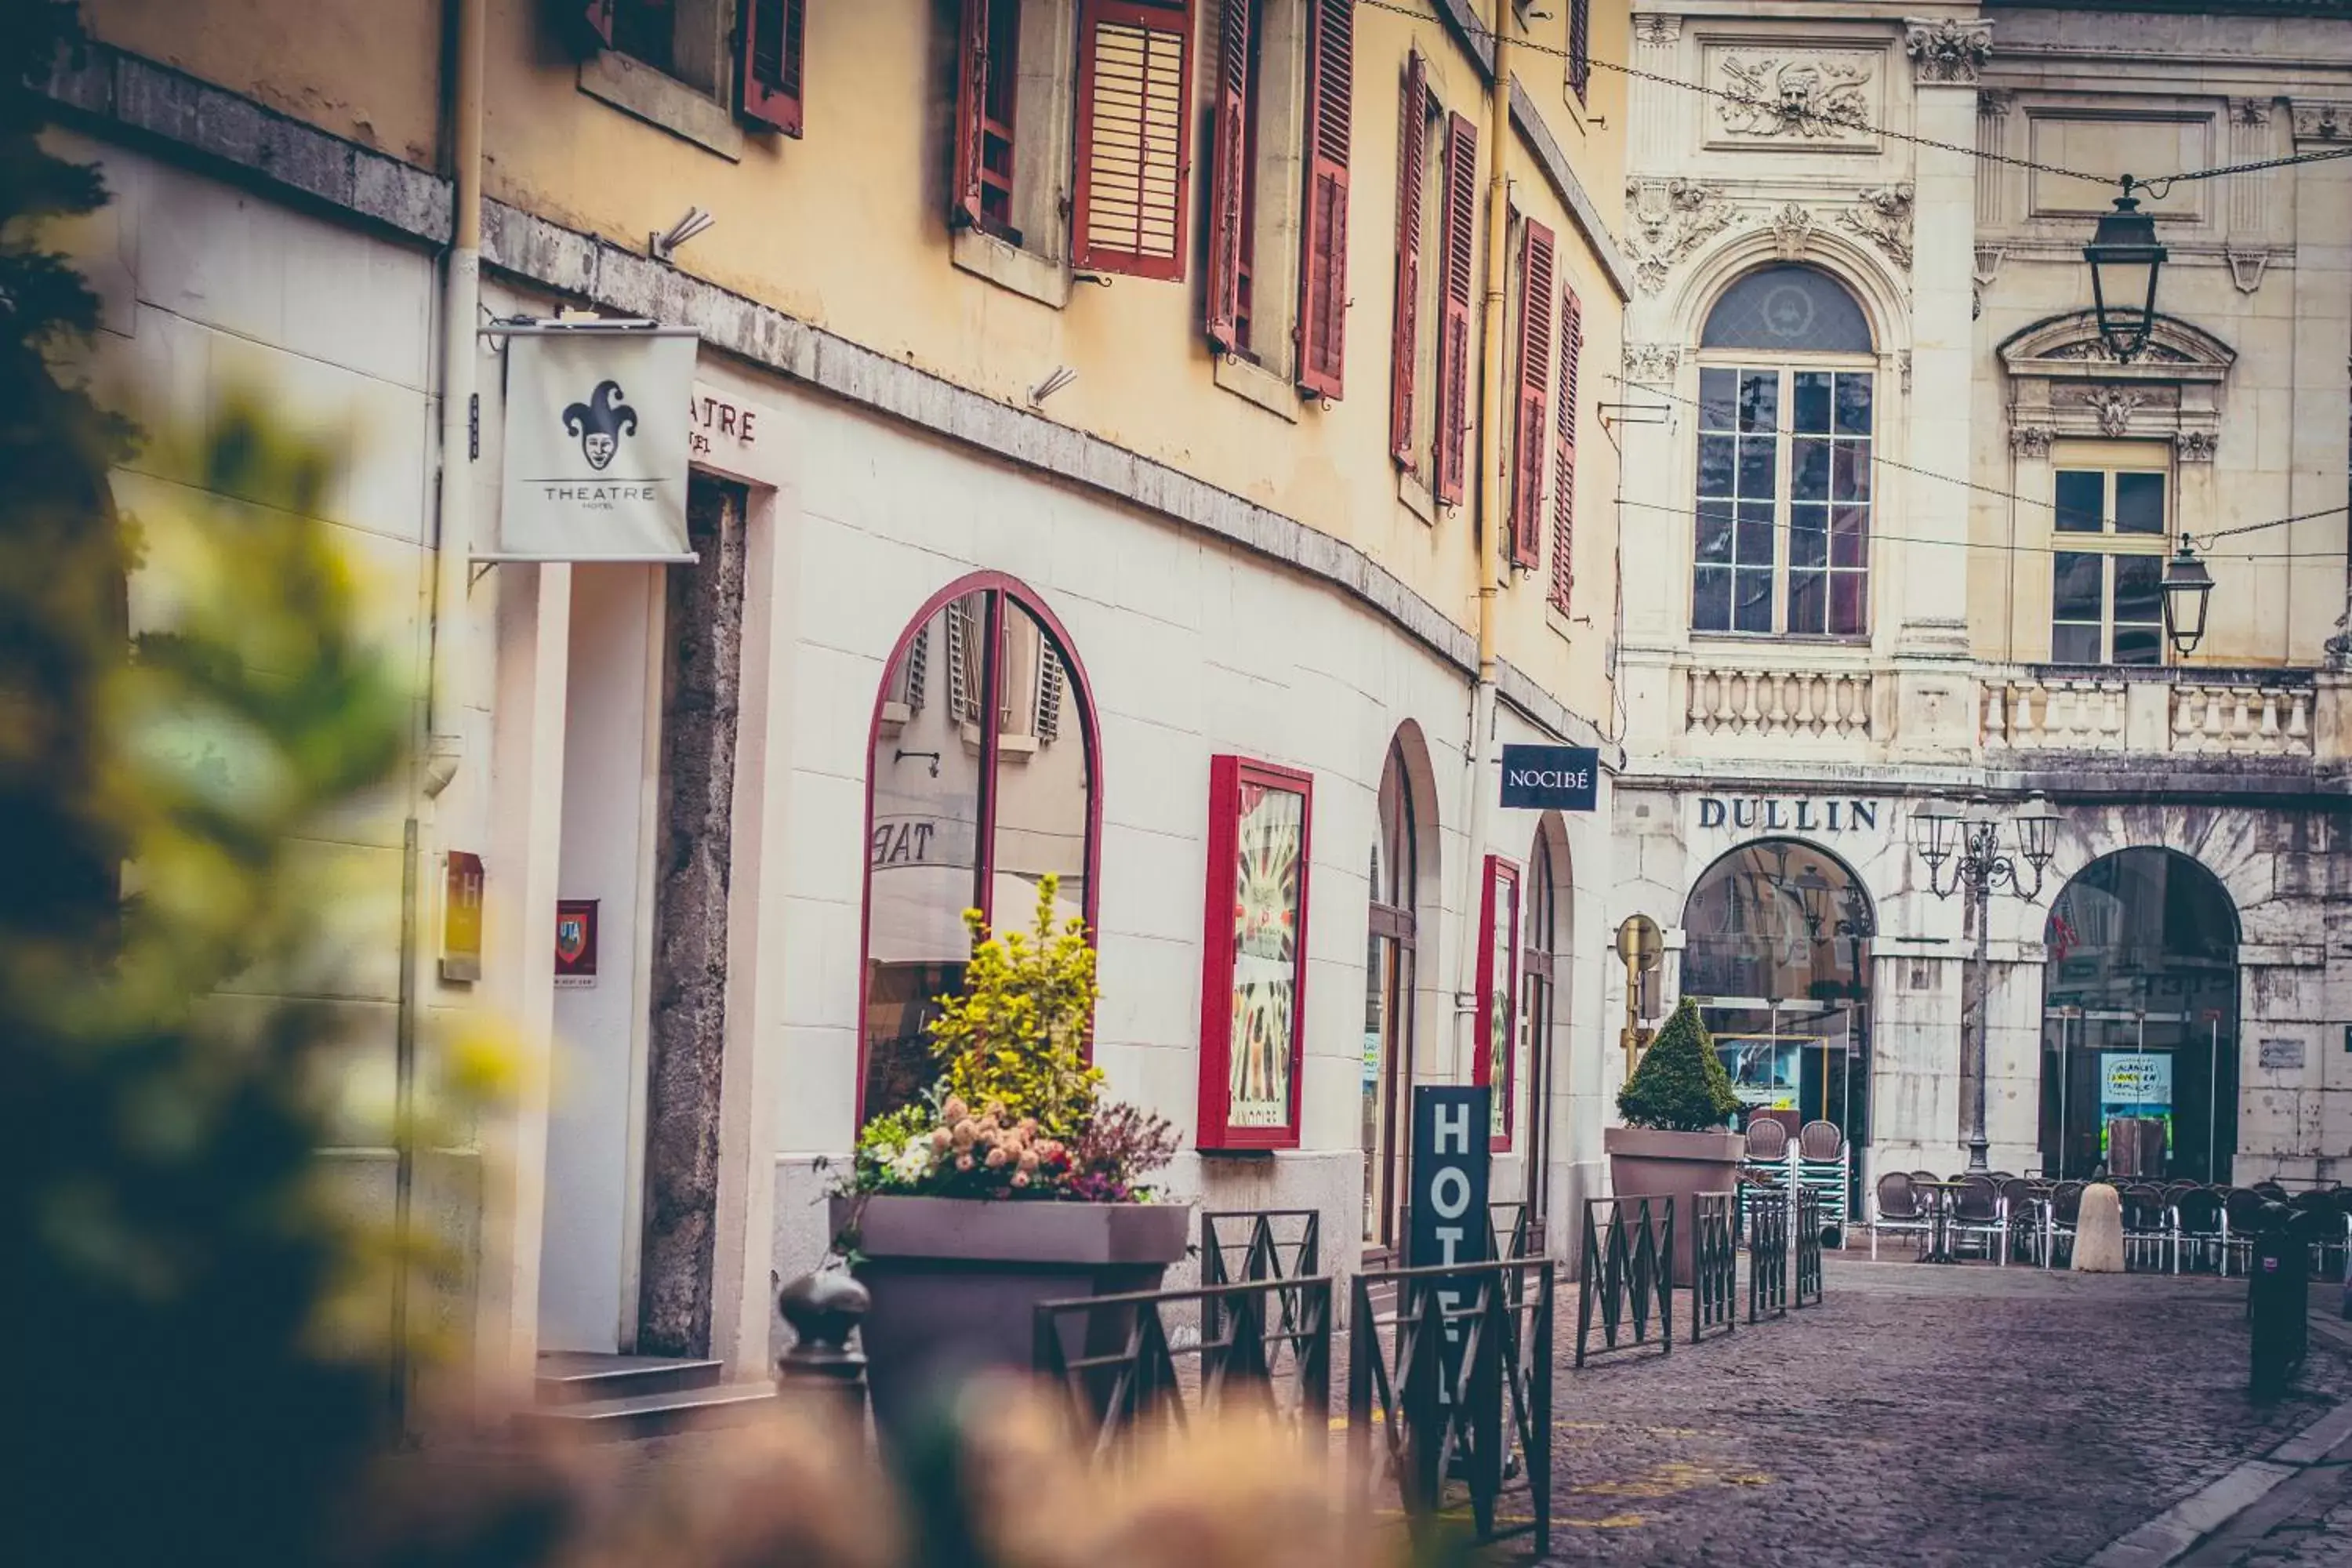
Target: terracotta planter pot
x: 1643, y: 1163
x: 956, y: 1282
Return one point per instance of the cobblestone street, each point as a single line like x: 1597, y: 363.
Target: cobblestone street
x: 1936, y: 1415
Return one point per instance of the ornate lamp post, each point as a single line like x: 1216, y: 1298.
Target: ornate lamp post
x: 1981, y: 863
x: 2125, y: 259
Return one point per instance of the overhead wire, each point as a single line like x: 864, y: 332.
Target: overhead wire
x: 1806, y: 115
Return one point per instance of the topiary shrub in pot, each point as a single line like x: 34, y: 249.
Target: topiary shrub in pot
x: 1675, y: 1144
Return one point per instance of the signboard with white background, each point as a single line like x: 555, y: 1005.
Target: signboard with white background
x: 596, y: 445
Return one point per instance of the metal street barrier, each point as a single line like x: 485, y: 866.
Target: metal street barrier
x: 1627, y: 1277
x: 1715, y: 1265
x: 1457, y: 1385
x: 1812, y: 1218
x: 1272, y: 1346
x: 1768, y: 1257
x: 1257, y: 1243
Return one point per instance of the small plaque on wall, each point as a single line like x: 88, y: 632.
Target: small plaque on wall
x: 2281, y: 1055
x: 575, y: 942
x: 461, y: 918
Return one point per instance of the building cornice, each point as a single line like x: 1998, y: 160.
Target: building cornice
x: 111, y: 90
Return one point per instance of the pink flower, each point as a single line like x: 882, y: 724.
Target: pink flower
x: 1020, y: 1178
x: 954, y: 1111
x: 942, y: 1141
x: 964, y: 1162
x: 996, y: 1158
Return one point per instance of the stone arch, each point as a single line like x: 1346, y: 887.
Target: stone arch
x: 1886, y: 304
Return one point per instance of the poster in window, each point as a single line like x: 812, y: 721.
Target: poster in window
x: 1499, y: 990
x: 1252, y: 989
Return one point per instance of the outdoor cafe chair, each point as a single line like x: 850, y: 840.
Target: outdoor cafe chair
x: 2066, y: 1207
x: 1767, y: 1140
x: 2198, y: 1230
x: 1897, y: 1210
x: 1820, y: 1143
x: 1975, y: 1212
x: 2021, y: 1215
x: 2147, y: 1221
x: 2241, y: 1221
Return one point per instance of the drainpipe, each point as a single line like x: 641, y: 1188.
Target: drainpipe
x: 461, y: 295
x: 1494, y: 516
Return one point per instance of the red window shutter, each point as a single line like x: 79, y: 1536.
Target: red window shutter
x: 972, y: 102
x: 1229, y: 176
x: 1458, y: 224
x: 1404, y: 331
x: 1536, y: 283
x: 772, y: 42
x: 1323, y: 279
x: 1135, y: 119
x: 1563, y: 483
x: 1580, y: 46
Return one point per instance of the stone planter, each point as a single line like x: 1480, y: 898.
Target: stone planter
x: 956, y: 1282
x: 1643, y: 1163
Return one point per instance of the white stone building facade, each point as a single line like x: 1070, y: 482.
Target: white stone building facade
x: 1908, y: 519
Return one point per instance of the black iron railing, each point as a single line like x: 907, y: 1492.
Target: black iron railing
x: 1714, y: 1263
x: 1116, y: 1361
x: 1627, y: 1278
x: 1257, y: 1243
x: 1455, y: 1384
x: 1809, y: 1221
x: 1768, y: 1256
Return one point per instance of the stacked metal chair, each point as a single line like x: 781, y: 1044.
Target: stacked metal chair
x: 1822, y: 1166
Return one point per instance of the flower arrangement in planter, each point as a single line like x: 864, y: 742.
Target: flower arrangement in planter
x: 1016, y: 1111
x: 1010, y: 1182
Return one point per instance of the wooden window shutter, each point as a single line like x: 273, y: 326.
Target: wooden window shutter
x: 586, y: 24
x: 1536, y: 249
x: 1323, y: 279
x: 1228, y: 175
x: 772, y: 43
x: 1134, y: 118
x: 1404, y: 330
x: 1580, y: 46
x: 970, y: 105
x: 1563, y: 483
x: 1458, y: 226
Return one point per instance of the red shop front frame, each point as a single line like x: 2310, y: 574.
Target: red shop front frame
x: 1254, y: 955
x: 1498, y: 993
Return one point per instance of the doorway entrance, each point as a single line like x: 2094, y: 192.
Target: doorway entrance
x: 1778, y: 957
x: 2140, y: 1020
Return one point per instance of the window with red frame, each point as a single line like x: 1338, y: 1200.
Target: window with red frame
x: 1254, y: 955
x: 980, y: 783
x: 1498, y: 991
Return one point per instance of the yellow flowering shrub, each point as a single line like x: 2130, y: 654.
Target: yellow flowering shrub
x: 1015, y: 1036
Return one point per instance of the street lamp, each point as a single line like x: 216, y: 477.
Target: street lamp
x: 1972, y: 843
x: 2187, y: 585
x: 2125, y: 259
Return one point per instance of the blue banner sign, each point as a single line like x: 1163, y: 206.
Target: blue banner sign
x: 1555, y: 778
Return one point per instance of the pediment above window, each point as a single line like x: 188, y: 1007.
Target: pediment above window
x: 2068, y: 347
x: 2064, y: 385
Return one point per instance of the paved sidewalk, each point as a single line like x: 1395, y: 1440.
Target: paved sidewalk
x: 1922, y: 1416
x: 2306, y: 1522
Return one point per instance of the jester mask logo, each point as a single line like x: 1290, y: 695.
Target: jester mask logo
x: 600, y: 422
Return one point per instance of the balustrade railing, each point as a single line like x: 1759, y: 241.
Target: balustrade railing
x: 2185, y: 711
x: 1795, y: 704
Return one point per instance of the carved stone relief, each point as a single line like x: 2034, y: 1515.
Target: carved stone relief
x: 1821, y: 98
x: 1656, y: 31
x: 1652, y: 361
x: 1884, y: 217
x: 2323, y: 121
x: 2029, y: 441
x: 1666, y: 220
x: 1948, y: 51
x: 2196, y: 446
x: 2246, y: 267
x: 1792, y: 231
x: 2249, y: 111
x: 2114, y: 405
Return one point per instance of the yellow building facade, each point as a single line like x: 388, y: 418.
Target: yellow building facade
x: 1085, y: 391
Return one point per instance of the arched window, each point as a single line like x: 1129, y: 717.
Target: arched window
x: 1784, y: 459
x: 982, y: 783
x: 1388, y: 978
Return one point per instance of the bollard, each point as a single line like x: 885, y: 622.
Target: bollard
x: 2099, y: 1231
x: 824, y: 1309
x: 2277, y: 1298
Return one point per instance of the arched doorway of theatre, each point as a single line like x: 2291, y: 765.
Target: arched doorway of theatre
x: 1777, y: 955
x: 2140, y: 1021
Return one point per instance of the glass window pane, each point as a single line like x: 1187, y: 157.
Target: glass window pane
x: 1752, y: 612
x: 1850, y: 472
x: 2082, y: 500
x: 2140, y: 503
x: 1715, y: 464
x: 2078, y: 586
x: 1807, y: 602
x: 1853, y: 403
x: 1813, y: 396
x: 1717, y: 394
x: 922, y: 852
x: 1042, y: 782
x: 1757, y: 457
x: 2140, y: 592
x: 1808, y: 470
x: 1787, y: 306
x: 1755, y: 539
x: 2074, y: 643
x: 1715, y: 533
x: 1760, y: 400
x: 1850, y: 536
x: 2139, y: 645
x: 1711, y: 599
x: 1809, y: 539
x: 1849, y: 604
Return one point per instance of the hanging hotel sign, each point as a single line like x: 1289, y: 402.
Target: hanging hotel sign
x: 596, y: 443
x: 1559, y: 778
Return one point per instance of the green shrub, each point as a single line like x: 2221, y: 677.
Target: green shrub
x: 1681, y: 1085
